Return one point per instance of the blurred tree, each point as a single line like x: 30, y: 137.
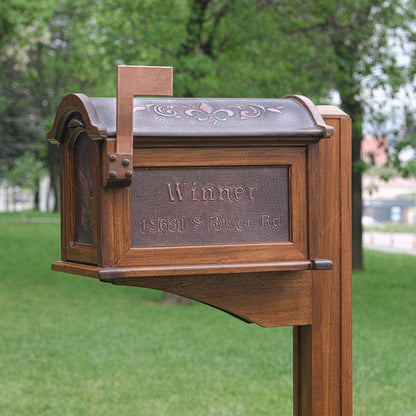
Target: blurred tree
x: 364, y: 39
x: 55, y: 48
x: 366, y: 61
x: 403, y: 155
x: 274, y: 47
x: 19, y: 121
x: 10, y: 15
x: 217, y: 47
x: 26, y: 172
x: 265, y: 48
x: 46, y: 54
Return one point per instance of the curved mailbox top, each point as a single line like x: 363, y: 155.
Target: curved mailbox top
x: 292, y: 116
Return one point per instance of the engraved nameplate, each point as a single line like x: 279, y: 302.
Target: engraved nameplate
x: 196, y: 206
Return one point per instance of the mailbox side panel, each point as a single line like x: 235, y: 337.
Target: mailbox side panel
x: 80, y: 195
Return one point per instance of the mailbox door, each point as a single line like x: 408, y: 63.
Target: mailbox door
x: 231, y: 205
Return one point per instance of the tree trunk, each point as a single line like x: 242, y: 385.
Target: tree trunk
x: 53, y: 166
x: 357, y: 204
x: 36, y: 199
x: 356, y: 113
x: 354, y: 109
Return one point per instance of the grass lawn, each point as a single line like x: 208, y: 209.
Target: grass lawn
x: 398, y: 228
x: 74, y: 346
x: 384, y: 337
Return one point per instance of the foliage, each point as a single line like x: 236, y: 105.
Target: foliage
x: 26, y: 172
x: 359, y: 49
x: 19, y: 121
x: 47, y: 54
x: 75, y: 346
x: 364, y: 39
x: 403, y: 152
x: 217, y: 47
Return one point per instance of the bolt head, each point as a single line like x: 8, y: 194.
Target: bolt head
x: 129, y: 174
x: 126, y: 162
x: 112, y: 157
x: 113, y: 174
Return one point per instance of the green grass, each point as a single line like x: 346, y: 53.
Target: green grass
x: 73, y: 346
x: 398, y: 228
x: 384, y: 311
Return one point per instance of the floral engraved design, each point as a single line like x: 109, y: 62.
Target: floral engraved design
x: 84, y: 215
x: 206, y: 112
x: 86, y: 201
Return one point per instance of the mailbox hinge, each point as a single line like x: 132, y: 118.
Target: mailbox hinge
x: 118, y: 168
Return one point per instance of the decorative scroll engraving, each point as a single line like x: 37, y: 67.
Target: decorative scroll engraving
x: 212, y: 114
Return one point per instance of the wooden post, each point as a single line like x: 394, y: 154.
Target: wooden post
x: 323, y: 350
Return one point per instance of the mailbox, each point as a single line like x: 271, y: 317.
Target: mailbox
x: 242, y: 204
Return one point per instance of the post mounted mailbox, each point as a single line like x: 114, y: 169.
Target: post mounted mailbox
x: 242, y: 204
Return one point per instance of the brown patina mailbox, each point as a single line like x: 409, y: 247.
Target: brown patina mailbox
x: 242, y: 204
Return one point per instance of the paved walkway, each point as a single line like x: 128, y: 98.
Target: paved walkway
x: 391, y: 242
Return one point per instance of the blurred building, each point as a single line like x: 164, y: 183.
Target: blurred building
x: 386, y: 201
x: 15, y: 199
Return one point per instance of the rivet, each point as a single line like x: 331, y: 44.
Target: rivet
x: 126, y: 162
x: 113, y: 174
x: 129, y: 174
x: 112, y: 157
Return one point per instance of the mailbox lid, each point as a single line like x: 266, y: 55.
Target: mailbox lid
x: 289, y: 117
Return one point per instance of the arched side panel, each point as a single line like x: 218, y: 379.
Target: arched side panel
x: 80, y: 196
x: 269, y: 299
x: 80, y: 108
